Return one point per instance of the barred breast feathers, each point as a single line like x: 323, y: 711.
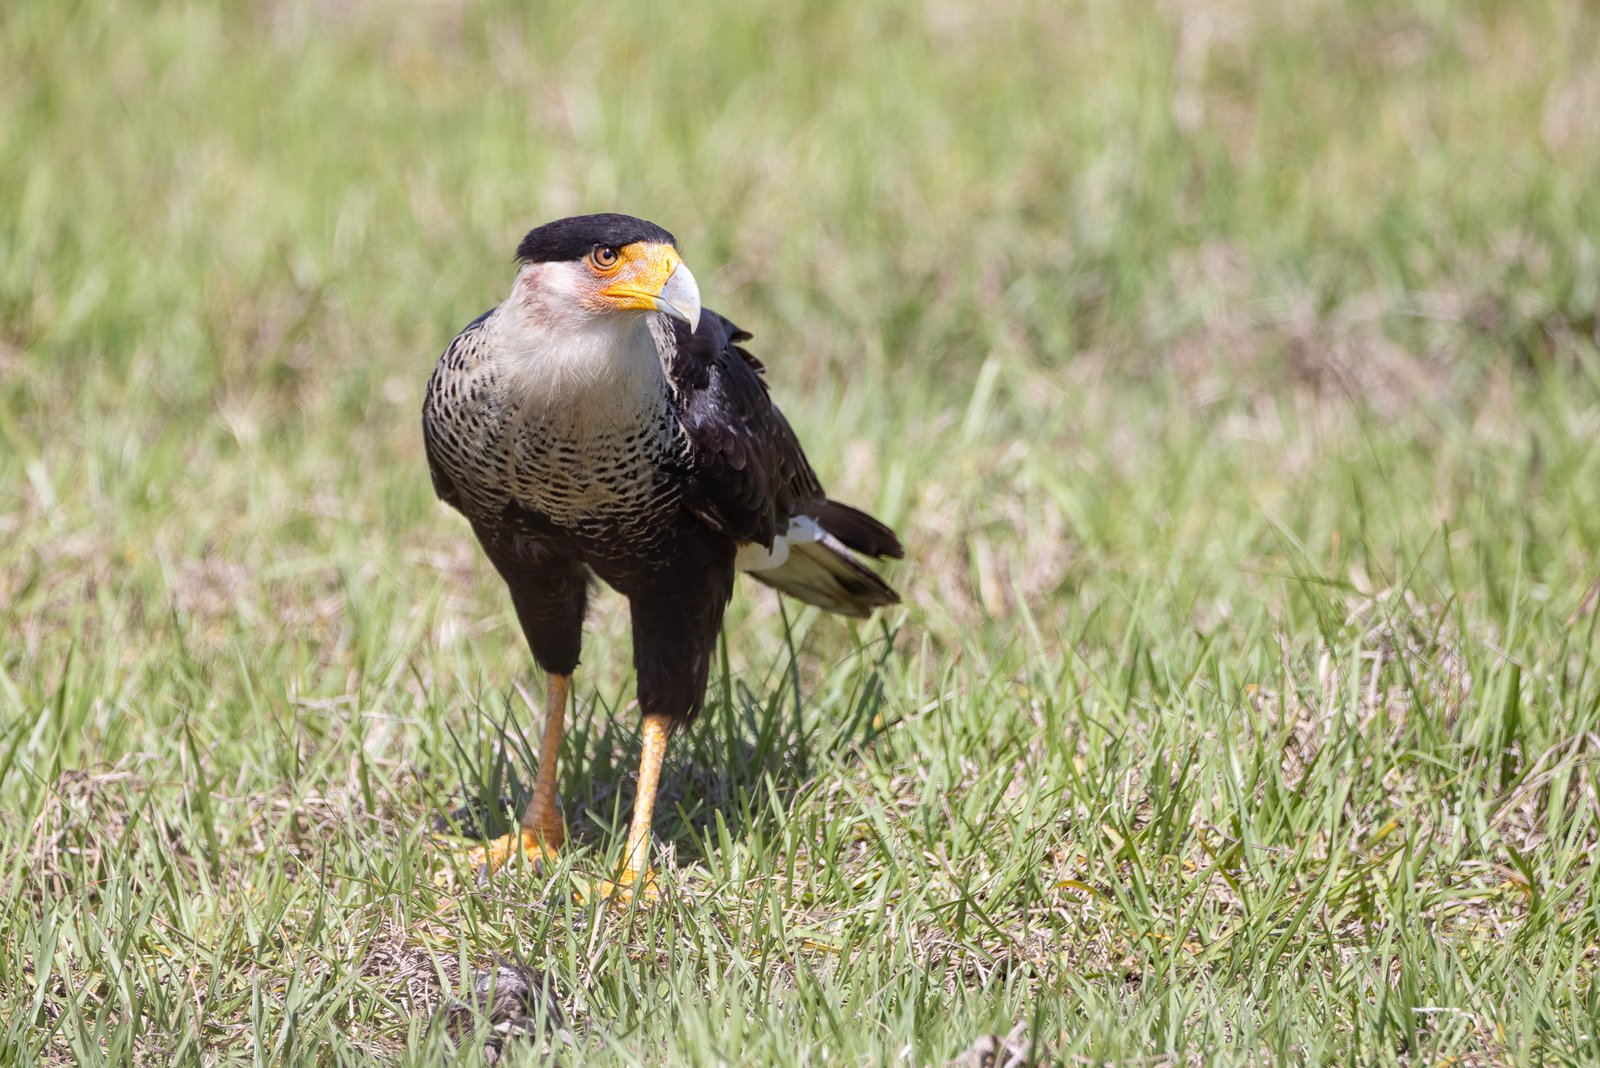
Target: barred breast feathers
x: 575, y: 424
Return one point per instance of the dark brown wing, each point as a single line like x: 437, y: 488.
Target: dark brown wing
x: 746, y: 475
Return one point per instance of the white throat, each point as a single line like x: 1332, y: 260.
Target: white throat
x: 575, y: 368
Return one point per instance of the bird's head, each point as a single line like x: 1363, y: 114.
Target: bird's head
x: 591, y: 270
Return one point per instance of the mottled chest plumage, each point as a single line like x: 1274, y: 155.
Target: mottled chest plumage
x: 585, y: 476
x: 589, y: 451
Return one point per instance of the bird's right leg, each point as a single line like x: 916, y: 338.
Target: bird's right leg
x: 549, y: 595
x: 542, y: 832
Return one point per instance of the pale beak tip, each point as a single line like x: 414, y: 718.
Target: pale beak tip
x: 680, y: 297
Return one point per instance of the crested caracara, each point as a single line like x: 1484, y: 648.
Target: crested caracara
x: 599, y: 424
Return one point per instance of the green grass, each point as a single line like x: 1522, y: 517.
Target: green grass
x: 1230, y: 369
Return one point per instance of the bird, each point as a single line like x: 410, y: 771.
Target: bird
x: 599, y: 425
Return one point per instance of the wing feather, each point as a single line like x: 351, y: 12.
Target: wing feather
x: 747, y: 475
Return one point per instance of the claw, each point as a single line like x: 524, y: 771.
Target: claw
x: 629, y: 887
x: 485, y: 860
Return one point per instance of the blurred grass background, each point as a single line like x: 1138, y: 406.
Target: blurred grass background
x: 1230, y: 367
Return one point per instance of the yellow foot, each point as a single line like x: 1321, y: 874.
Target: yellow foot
x: 632, y: 886
x: 486, y: 859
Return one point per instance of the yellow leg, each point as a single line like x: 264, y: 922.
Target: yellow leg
x: 636, y: 878
x: 543, y: 815
x: 542, y: 832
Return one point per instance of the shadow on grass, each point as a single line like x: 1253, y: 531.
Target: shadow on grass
x: 742, y: 759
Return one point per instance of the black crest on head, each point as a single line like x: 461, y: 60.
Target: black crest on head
x: 571, y: 239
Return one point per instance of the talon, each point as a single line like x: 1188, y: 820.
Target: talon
x: 485, y: 860
x: 630, y: 886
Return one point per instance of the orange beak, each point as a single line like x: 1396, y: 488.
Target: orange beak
x: 653, y: 277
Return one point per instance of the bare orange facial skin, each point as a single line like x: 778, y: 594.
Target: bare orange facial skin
x: 636, y: 279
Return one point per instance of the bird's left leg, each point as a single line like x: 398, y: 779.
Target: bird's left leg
x: 674, y: 632
x: 636, y: 877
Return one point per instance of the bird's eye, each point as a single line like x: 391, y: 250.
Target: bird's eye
x: 604, y: 257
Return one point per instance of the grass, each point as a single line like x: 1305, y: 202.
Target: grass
x: 1230, y: 369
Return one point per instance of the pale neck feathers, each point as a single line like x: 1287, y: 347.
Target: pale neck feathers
x: 562, y: 364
